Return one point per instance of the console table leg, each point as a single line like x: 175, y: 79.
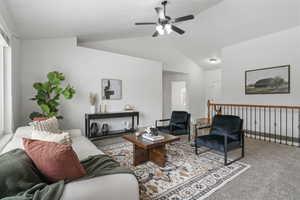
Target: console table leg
x: 132, y: 122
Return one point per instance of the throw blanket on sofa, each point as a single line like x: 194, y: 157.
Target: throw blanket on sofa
x: 21, y: 180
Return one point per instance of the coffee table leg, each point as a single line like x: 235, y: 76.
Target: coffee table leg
x: 139, y: 155
x: 158, y: 155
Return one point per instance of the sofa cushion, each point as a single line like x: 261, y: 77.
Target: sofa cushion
x: 216, y: 142
x: 17, y: 173
x: 55, y: 161
x: 63, y: 138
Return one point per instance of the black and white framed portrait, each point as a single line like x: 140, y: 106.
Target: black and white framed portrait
x: 273, y: 80
x: 111, y: 89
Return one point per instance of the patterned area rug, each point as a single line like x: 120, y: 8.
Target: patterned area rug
x: 186, y: 177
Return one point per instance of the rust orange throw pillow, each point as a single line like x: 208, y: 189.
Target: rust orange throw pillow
x: 55, y: 161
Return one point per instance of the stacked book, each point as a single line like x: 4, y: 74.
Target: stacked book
x: 153, y: 137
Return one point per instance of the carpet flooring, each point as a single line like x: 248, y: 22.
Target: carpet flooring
x: 274, y: 173
x: 186, y: 176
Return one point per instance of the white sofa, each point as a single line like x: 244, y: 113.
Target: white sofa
x: 110, y: 187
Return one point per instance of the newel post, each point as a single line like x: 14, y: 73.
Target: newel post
x: 208, y: 111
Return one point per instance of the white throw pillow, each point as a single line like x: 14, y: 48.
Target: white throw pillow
x: 49, y: 125
x: 63, y: 138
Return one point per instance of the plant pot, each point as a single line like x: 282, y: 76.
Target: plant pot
x: 93, y: 109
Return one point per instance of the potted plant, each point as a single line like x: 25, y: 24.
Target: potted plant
x: 48, y: 95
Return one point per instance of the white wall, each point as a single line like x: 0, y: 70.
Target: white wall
x: 168, y: 77
x: 84, y: 68
x: 213, y: 84
x: 196, y: 88
x: 277, y: 49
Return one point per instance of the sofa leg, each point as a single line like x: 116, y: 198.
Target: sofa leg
x: 196, y: 149
x: 225, y: 158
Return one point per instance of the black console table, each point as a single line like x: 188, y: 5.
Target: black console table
x: 89, y: 117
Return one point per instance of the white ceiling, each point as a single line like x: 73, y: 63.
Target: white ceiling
x: 92, y: 19
x: 218, y: 24
x: 227, y: 23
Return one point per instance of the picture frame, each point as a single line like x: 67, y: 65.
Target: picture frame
x: 111, y: 89
x: 271, y: 80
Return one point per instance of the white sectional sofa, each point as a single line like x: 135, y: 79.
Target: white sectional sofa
x: 110, y: 187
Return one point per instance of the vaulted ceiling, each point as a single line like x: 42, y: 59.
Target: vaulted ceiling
x: 109, y: 25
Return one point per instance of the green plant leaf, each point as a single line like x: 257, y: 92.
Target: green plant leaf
x: 59, y: 90
x: 45, y: 108
x: 35, y: 114
x: 59, y: 117
x: 38, y: 86
x: 55, y: 77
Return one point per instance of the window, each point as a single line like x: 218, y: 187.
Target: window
x: 3, y: 58
x: 1, y: 89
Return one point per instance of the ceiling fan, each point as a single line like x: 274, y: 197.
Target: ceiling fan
x: 165, y: 24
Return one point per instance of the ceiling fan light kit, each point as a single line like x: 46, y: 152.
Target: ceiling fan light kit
x: 165, y: 24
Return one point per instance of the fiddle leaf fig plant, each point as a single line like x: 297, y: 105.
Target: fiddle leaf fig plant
x: 48, y: 95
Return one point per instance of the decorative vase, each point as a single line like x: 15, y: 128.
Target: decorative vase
x: 93, y: 109
x: 94, y: 129
x: 105, y: 129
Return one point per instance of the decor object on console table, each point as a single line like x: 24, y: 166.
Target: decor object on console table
x: 89, y: 117
x: 93, y: 100
x: 94, y: 129
x: 179, y: 124
x: 129, y: 107
x: 105, y: 129
x: 226, y: 134
x: 48, y: 95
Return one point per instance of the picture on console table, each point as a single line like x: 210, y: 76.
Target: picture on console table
x: 111, y: 89
x: 273, y: 80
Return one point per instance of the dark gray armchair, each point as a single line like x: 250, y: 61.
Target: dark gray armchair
x: 179, y: 124
x: 226, y: 134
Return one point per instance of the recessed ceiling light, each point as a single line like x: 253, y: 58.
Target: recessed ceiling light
x: 214, y: 60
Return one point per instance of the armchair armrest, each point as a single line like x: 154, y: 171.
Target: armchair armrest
x: 161, y: 120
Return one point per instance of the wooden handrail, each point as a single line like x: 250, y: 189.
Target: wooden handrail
x: 268, y: 122
x: 253, y: 105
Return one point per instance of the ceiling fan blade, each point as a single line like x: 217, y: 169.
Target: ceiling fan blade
x: 184, y: 18
x: 155, y: 34
x: 145, y: 23
x: 160, y: 12
x: 177, y: 30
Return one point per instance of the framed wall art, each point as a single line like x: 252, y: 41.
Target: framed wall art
x: 111, y: 89
x: 273, y: 80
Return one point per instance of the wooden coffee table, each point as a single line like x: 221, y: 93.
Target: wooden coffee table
x: 146, y: 150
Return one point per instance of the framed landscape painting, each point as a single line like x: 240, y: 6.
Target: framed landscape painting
x: 273, y: 80
x: 111, y: 89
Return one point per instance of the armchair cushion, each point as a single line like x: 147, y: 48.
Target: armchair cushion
x: 227, y: 124
x: 166, y: 129
x: 216, y: 142
x: 179, y: 117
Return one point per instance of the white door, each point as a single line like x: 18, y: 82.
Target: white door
x: 179, y: 96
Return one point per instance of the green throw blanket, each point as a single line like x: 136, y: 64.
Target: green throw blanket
x: 20, y: 179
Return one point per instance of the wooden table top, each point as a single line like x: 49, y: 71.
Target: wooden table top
x: 147, y: 144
